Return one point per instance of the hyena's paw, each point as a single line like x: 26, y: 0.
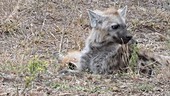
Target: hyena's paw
x: 71, y: 60
x: 70, y: 69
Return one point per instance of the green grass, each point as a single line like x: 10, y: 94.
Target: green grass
x: 134, y: 58
x: 145, y: 87
x: 34, y: 68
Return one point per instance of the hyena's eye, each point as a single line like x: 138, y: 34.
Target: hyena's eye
x: 116, y: 26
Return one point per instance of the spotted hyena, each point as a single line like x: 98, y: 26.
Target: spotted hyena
x: 100, y: 54
x: 109, y: 47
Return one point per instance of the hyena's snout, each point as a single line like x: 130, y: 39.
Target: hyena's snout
x: 125, y: 37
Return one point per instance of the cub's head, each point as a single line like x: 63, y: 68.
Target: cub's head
x: 111, y: 23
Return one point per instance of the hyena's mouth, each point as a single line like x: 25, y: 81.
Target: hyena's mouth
x: 123, y: 40
x: 126, y: 39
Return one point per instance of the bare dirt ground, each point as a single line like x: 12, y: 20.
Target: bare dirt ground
x: 33, y: 33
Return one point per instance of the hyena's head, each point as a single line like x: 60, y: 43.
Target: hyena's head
x: 111, y: 23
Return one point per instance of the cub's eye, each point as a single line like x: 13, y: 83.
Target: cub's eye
x: 115, y: 26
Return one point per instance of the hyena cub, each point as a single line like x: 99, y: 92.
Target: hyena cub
x: 108, y: 47
x: 109, y: 31
x: 100, y: 54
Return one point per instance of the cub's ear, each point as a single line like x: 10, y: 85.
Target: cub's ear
x: 94, y: 18
x: 123, y: 11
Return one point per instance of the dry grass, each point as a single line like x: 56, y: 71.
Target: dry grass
x: 44, y: 29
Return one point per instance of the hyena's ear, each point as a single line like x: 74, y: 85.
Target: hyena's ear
x: 94, y: 18
x: 122, y: 11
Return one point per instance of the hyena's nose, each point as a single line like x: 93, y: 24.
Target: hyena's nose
x: 127, y: 39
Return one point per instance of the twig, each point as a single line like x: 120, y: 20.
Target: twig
x: 61, y: 40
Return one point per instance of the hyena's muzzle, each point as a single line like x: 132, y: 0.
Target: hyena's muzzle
x: 123, y: 37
